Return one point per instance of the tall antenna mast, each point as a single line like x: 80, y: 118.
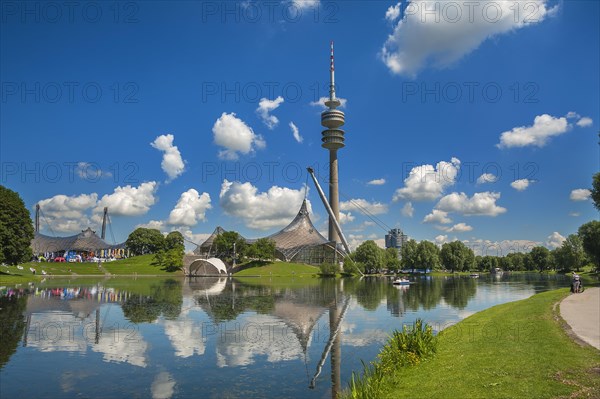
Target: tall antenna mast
x: 103, y: 235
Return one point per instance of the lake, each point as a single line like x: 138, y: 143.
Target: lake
x: 221, y: 338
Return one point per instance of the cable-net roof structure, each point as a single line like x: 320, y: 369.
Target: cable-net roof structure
x: 301, y: 242
x: 87, y: 240
x: 207, y: 246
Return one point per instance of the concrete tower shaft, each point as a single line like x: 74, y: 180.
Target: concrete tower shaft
x: 333, y: 139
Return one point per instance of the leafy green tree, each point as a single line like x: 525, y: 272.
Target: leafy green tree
x: 517, y: 260
x: 369, y: 254
x: 590, y: 239
x: 596, y: 190
x: 540, y: 257
x: 392, y: 262
x: 261, y: 249
x: 225, y: 244
x: 456, y: 256
x: 16, y: 228
x: 145, y: 241
x: 428, y: 255
x: 409, y: 254
x: 171, y: 256
x: 571, y: 253
x: 174, y: 240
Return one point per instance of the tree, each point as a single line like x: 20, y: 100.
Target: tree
x: 369, y: 254
x: 590, y: 239
x: 596, y: 190
x: 16, y: 228
x: 428, y: 255
x: 456, y: 256
x: 145, y: 241
x: 392, y: 262
x: 409, y: 254
x: 261, y: 249
x: 224, y: 243
x: 540, y: 258
x: 571, y: 253
x: 174, y: 240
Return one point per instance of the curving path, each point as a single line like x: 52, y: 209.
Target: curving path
x: 582, y: 313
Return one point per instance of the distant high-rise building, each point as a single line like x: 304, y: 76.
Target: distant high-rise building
x: 396, y: 239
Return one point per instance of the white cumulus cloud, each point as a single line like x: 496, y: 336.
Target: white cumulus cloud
x: 427, y: 182
x: 393, y: 12
x: 296, y: 133
x: 265, y: 107
x: 376, y: 182
x: 521, y: 184
x: 190, y: 209
x: 172, y: 163
x: 544, y: 127
x: 457, y: 228
x: 554, y: 240
x: 580, y: 194
x: 273, y: 208
x: 487, y: 178
x: 480, y: 204
x: 68, y: 214
x: 304, y: 4
x: 362, y: 205
x: 437, y: 216
x: 408, y: 210
x: 441, y: 33
x: 235, y: 136
x: 128, y: 200
x: 584, y: 122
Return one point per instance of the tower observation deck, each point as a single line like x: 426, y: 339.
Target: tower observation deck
x: 333, y: 139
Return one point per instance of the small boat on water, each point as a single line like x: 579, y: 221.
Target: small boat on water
x: 401, y: 281
x: 474, y: 275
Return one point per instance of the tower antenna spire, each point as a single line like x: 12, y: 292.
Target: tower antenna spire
x: 332, y: 76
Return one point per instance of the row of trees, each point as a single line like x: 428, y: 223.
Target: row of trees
x: 576, y: 251
x: 231, y: 244
x: 168, y: 250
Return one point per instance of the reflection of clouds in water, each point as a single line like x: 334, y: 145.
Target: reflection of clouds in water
x: 63, y: 332
x: 58, y: 332
x: 257, y: 335
x: 185, y: 333
x: 362, y: 338
x: 163, y: 386
x: 123, y: 346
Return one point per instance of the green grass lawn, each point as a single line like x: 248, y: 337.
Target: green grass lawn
x: 514, y: 350
x: 137, y: 265
x: 279, y: 269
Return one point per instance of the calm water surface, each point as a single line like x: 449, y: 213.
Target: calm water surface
x: 218, y: 338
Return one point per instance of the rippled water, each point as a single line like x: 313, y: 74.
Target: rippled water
x: 217, y: 338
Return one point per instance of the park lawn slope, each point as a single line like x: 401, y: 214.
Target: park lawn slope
x: 516, y: 350
x: 142, y: 264
x: 278, y: 269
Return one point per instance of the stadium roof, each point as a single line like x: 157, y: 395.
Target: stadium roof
x: 87, y: 240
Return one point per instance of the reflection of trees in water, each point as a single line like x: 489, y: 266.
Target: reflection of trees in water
x: 238, y: 297
x: 166, y: 299
x: 426, y: 293
x: 457, y: 291
x: 12, y: 325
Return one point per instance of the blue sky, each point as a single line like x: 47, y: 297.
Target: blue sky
x: 154, y: 109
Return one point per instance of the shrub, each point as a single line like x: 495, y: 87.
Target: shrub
x: 404, y: 348
x: 328, y: 269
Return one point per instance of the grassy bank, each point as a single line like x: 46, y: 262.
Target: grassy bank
x: 516, y: 350
x: 137, y: 265
x: 279, y: 269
